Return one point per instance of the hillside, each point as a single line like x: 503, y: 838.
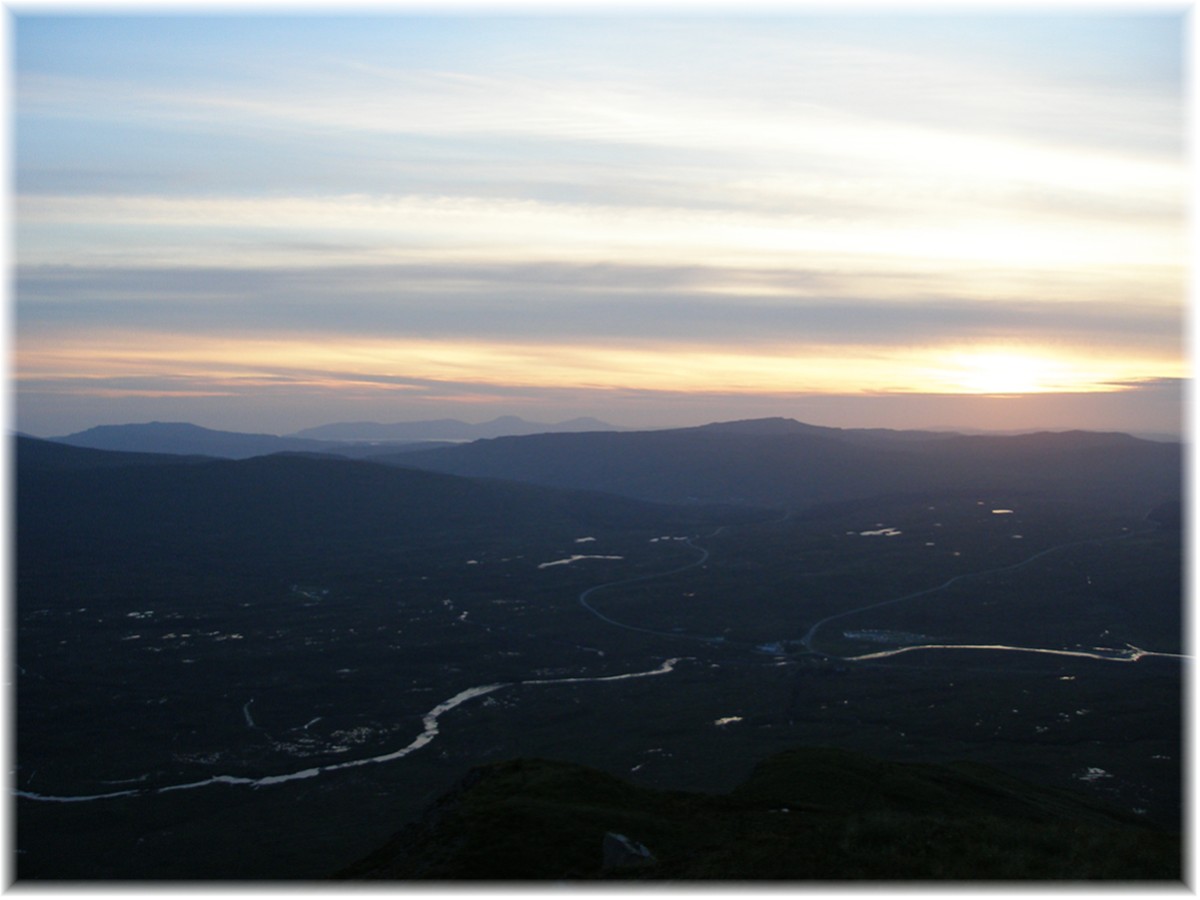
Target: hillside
x: 444, y: 429
x: 87, y: 508
x: 353, y: 439
x: 805, y: 814
x: 185, y: 438
x: 261, y: 668
x: 779, y: 461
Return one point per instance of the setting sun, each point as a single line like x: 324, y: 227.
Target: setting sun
x: 711, y: 222
x: 1010, y: 372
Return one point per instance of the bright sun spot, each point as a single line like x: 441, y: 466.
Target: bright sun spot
x: 1007, y: 373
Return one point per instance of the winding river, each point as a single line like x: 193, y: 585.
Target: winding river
x: 428, y: 734
x: 1127, y: 654
x: 430, y: 721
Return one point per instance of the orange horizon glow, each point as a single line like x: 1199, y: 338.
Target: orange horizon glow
x: 214, y: 365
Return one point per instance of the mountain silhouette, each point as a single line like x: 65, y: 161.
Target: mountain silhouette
x: 445, y: 429
x: 780, y: 461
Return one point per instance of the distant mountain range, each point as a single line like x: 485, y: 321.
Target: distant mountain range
x: 355, y: 439
x: 757, y: 462
x: 784, y: 462
x: 185, y: 439
x: 763, y: 462
x: 445, y: 429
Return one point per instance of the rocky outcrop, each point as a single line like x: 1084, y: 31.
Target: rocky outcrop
x: 622, y: 853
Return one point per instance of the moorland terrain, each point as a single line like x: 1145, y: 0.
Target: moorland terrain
x: 264, y: 667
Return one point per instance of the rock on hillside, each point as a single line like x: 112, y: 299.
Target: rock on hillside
x: 811, y: 813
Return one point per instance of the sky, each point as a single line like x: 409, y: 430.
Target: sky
x: 268, y: 222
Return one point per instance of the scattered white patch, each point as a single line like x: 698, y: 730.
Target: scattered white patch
x: 1002, y: 512
x: 1091, y: 773
x: 584, y: 540
x: 721, y: 723
x: 137, y: 780
x: 146, y: 614
x: 132, y: 637
x: 1066, y: 677
x: 575, y: 558
x: 885, y: 532
x: 883, y: 636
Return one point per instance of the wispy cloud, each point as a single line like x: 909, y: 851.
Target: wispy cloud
x: 557, y: 302
x: 184, y: 231
x: 814, y: 204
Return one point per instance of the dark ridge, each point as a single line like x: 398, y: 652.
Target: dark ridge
x: 446, y: 429
x: 805, y: 814
x: 780, y: 461
x: 94, y: 506
x: 34, y: 454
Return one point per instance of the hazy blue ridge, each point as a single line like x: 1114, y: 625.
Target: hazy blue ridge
x: 446, y: 429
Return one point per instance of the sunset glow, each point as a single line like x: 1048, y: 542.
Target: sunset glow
x: 582, y: 217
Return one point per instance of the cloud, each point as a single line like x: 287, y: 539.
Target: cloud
x: 511, y: 208
x: 381, y: 228
x: 793, y: 111
x: 669, y: 306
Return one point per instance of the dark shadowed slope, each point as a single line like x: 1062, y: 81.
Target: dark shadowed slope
x: 96, y: 508
x: 185, y: 438
x: 778, y: 461
x: 35, y: 454
x: 810, y: 813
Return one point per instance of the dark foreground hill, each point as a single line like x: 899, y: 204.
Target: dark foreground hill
x: 780, y: 461
x: 805, y: 814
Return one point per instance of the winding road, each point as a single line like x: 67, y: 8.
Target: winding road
x: 701, y: 560
x: 1127, y: 654
x: 430, y: 720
